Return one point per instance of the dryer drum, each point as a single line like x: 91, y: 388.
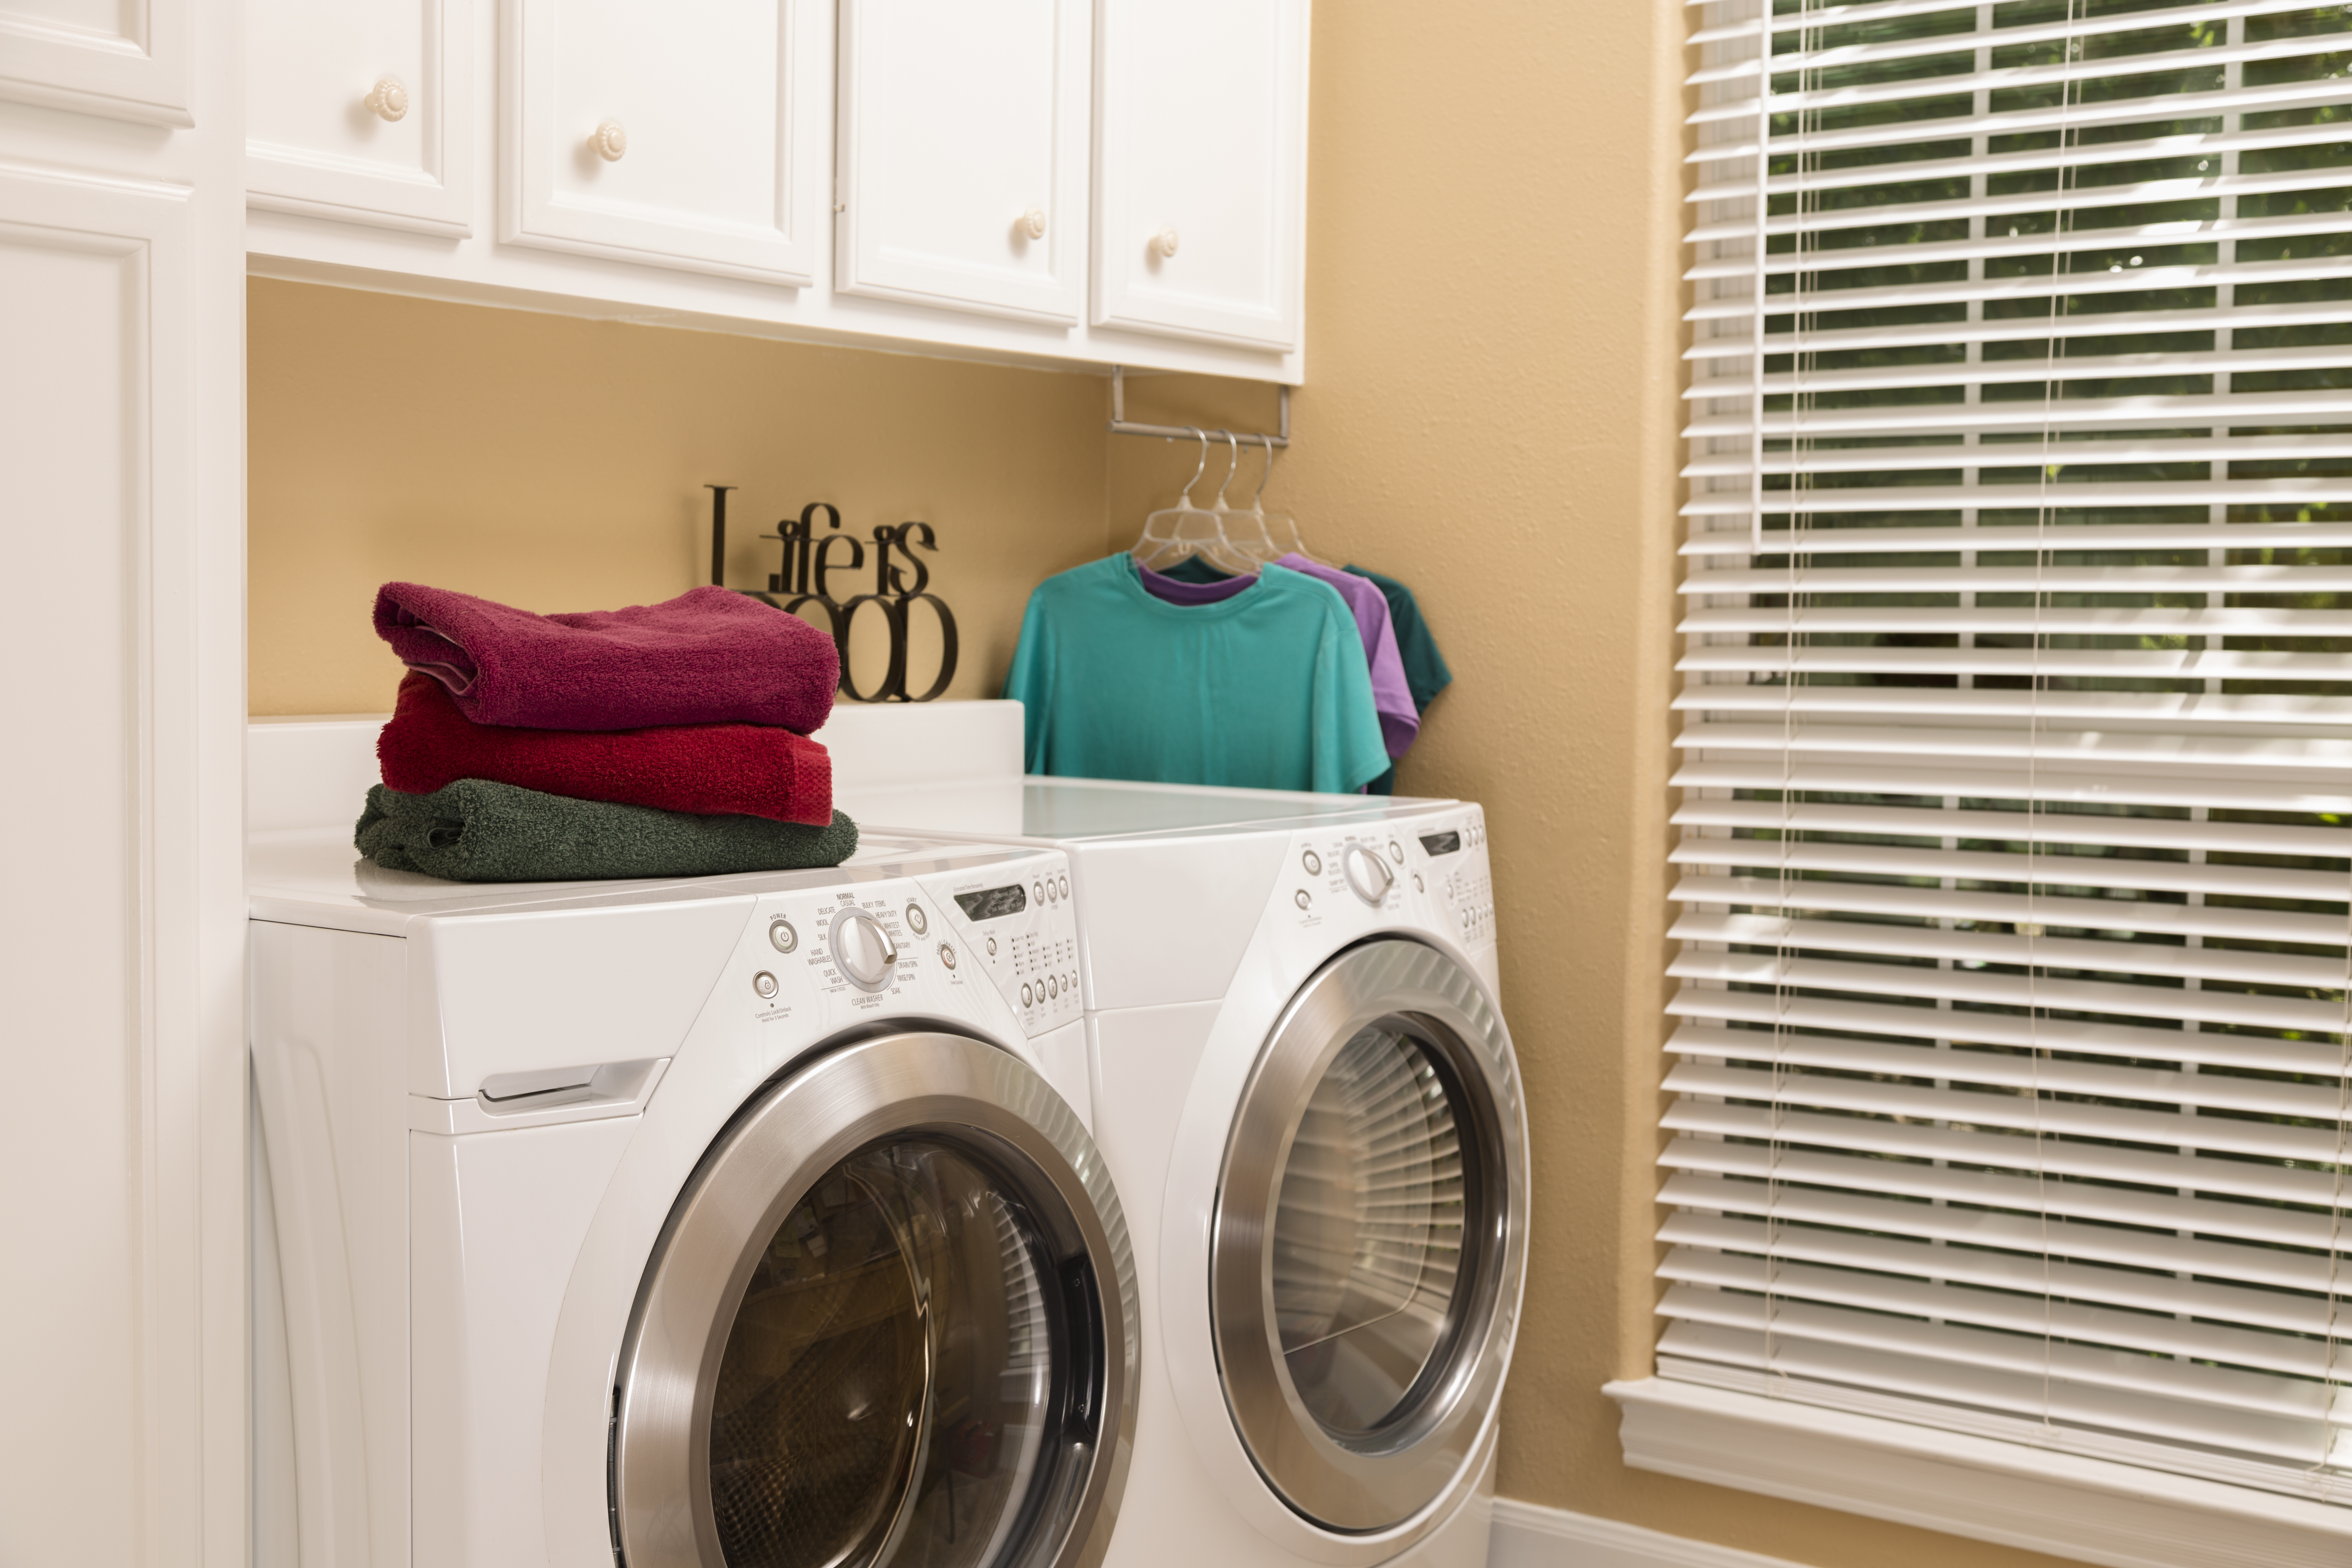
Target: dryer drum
x: 891, y: 1321
x: 1369, y: 1237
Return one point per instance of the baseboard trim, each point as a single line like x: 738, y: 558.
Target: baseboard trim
x: 1529, y: 1535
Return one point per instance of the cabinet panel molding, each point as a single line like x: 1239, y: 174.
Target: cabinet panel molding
x: 1201, y: 169
x: 363, y: 113
x: 697, y: 144
x: 962, y: 154
x: 101, y: 1196
x: 122, y: 59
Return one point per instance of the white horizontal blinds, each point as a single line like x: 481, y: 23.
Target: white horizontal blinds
x: 2011, y: 1053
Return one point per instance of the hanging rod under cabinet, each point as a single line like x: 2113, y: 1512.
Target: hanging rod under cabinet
x: 1120, y: 425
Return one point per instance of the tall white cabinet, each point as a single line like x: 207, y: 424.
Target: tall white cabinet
x: 121, y: 457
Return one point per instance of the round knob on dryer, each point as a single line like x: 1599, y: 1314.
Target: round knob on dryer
x: 1032, y: 223
x: 1163, y: 244
x: 862, y: 949
x: 609, y: 141
x: 387, y: 100
x: 1367, y: 875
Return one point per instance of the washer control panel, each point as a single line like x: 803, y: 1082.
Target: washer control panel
x: 917, y: 933
x: 1014, y: 923
x: 1432, y: 868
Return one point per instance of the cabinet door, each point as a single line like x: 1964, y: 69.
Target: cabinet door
x: 962, y: 154
x: 124, y: 61
x: 363, y: 113
x: 121, y: 529
x: 1201, y: 169
x: 687, y: 136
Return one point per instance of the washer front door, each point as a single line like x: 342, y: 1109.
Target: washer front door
x: 889, y: 1323
x: 1369, y: 1236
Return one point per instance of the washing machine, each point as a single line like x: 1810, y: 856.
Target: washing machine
x: 1303, y: 1083
x: 729, y: 1220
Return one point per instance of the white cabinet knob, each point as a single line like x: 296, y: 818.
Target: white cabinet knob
x: 1032, y: 223
x: 608, y: 141
x: 387, y: 100
x: 1163, y: 244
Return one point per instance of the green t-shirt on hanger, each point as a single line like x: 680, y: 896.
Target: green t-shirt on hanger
x: 1425, y: 673
x: 1266, y: 689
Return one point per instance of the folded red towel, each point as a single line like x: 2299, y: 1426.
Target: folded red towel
x: 735, y: 770
x: 709, y: 656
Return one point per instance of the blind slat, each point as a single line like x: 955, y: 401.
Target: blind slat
x: 2178, y: 834
x: 2123, y: 1215
x: 2211, y: 1090
x: 2074, y: 1157
x: 2053, y: 869
x: 1977, y: 1222
x: 2137, y: 916
x: 2154, y: 1041
x: 1904, y: 538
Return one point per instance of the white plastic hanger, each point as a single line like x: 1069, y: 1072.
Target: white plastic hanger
x: 1243, y: 530
x: 1174, y: 532
x: 1279, y: 530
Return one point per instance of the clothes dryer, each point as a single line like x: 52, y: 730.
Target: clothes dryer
x: 1305, y: 1088
x: 680, y: 1224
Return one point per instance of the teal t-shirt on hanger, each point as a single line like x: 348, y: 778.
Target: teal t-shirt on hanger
x: 1265, y: 689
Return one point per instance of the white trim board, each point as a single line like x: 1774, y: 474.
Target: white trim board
x: 2043, y: 1500
x: 1529, y: 1535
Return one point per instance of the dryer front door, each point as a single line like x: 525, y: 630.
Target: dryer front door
x: 1369, y: 1237
x: 890, y: 1322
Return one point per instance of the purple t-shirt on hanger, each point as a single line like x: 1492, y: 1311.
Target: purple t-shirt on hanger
x: 1400, y: 720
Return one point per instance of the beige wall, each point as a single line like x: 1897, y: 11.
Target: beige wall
x: 558, y: 464
x: 1493, y: 308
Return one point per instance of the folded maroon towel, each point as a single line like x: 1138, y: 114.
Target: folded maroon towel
x: 709, y: 656
x: 711, y: 770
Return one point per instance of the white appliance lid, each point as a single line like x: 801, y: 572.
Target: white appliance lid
x: 314, y: 877
x: 1067, y: 809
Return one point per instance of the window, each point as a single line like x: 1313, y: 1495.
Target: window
x: 2012, y: 1052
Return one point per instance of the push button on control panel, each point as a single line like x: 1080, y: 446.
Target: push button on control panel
x: 781, y: 936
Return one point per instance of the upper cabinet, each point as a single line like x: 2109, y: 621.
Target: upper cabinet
x: 962, y: 155
x: 686, y: 136
x: 1074, y: 182
x: 1201, y: 168
x: 120, y: 59
x: 361, y: 112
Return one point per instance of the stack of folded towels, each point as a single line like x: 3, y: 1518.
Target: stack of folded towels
x: 665, y: 740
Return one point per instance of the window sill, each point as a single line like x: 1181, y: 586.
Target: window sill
x: 2068, y: 1505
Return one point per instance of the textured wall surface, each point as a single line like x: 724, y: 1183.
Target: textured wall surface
x: 558, y: 464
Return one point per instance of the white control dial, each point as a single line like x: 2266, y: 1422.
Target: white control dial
x: 1367, y: 875
x: 862, y: 949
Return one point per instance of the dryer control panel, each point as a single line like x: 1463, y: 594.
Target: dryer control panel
x: 1429, y: 870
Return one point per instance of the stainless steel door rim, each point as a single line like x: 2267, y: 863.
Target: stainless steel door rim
x: 990, y: 1113
x: 1392, y: 1234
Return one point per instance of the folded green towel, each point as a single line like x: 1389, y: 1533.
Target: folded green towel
x: 477, y: 831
